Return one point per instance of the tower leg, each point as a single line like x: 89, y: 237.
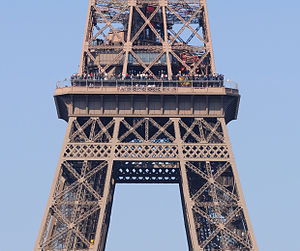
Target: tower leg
x: 216, y: 215
x: 45, y: 228
x: 78, y: 209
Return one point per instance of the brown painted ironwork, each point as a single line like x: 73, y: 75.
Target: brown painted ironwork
x: 120, y: 33
x: 146, y: 131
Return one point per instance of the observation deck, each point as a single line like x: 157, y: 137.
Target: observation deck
x: 145, y: 97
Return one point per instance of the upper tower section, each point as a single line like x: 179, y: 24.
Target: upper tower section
x: 147, y: 58
x: 147, y: 37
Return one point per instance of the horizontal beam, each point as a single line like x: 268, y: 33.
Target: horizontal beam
x: 145, y: 151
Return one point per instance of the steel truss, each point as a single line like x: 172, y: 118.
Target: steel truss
x: 119, y: 32
x: 98, y: 152
x: 181, y: 139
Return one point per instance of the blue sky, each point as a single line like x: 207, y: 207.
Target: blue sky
x: 256, y: 44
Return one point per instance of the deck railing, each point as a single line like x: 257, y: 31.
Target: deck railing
x: 147, y: 85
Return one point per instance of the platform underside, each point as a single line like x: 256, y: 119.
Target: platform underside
x: 211, y: 102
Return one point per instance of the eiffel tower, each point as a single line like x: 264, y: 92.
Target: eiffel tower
x: 146, y: 107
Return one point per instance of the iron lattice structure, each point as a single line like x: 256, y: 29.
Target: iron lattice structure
x: 147, y: 36
x: 170, y: 130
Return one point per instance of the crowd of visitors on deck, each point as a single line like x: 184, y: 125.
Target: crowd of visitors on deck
x: 140, y: 80
x: 145, y: 76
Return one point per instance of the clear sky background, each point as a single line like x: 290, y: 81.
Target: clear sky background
x: 256, y: 43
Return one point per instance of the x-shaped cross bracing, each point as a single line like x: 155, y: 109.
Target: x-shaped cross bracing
x: 101, y: 11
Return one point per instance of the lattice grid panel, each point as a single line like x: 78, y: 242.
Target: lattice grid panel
x: 91, y: 151
x: 196, y: 151
x: 146, y: 151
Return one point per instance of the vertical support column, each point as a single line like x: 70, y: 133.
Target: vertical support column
x: 43, y: 227
x: 187, y: 202
x: 106, y: 203
x: 207, y: 37
x: 87, y: 34
x: 169, y: 68
x: 238, y: 184
x: 128, y: 45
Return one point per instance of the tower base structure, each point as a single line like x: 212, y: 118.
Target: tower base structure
x: 146, y: 136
